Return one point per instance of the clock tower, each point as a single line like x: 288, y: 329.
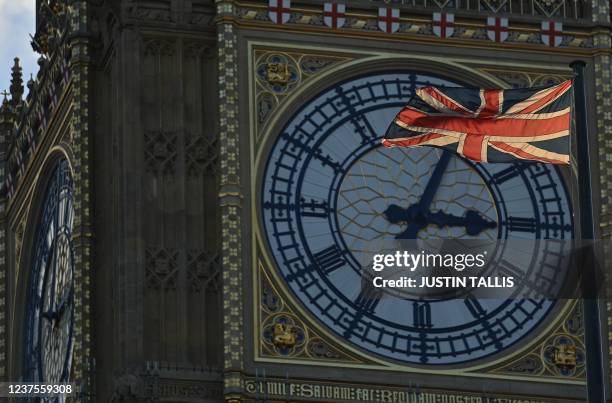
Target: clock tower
x: 189, y: 188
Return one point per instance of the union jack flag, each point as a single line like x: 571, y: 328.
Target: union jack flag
x: 488, y: 125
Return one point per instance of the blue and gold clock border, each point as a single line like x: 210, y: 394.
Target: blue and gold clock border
x: 284, y: 332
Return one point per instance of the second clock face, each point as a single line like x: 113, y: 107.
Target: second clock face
x: 50, y: 316
x: 331, y: 194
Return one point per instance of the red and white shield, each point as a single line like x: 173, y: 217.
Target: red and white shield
x: 278, y: 11
x: 333, y: 15
x: 388, y: 19
x: 552, y: 33
x: 497, y: 29
x: 443, y: 24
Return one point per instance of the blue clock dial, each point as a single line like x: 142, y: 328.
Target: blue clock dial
x: 331, y: 194
x: 50, y: 316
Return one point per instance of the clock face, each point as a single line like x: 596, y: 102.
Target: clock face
x: 50, y: 314
x: 331, y: 194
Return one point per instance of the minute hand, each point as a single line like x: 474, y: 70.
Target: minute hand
x: 434, y: 182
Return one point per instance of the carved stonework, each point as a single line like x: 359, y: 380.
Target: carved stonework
x: 53, y: 24
x: 366, y: 21
x: 204, y: 50
x: 561, y: 354
x: 156, y: 14
x: 203, y: 271
x: 161, y: 268
x: 161, y: 152
x: 160, y: 47
x: 495, y: 5
x: 44, y: 94
x: 441, y: 3
x: 158, y: 383
x: 549, y: 8
x: 278, y: 74
x: 529, y: 365
x: 521, y: 79
x: 127, y: 387
x: 317, y: 348
x: 201, y: 155
x: 229, y: 197
x: 283, y: 334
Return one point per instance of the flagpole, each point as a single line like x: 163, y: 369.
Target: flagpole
x: 592, y: 332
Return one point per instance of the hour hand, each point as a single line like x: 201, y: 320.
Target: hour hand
x: 416, y: 220
x: 473, y: 222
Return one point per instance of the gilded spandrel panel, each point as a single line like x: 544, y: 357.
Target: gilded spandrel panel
x: 278, y: 74
x: 283, y: 334
x: 561, y: 354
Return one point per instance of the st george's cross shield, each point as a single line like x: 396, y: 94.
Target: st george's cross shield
x: 552, y: 33
x: 443, y: 24
x: 278, y: 11
x: 333, y: 15
x: 497, y: 29
x: 388, y: 19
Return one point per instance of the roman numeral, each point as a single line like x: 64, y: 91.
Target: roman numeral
x: 329, y: 259
x: 506, y: 174
x: 368, y: 297
x: 509, y: 269
x: 313, y: 208
x: 474, y: 306
x: 521, y: 279
x: 520, y: 224
x: 422, y: 314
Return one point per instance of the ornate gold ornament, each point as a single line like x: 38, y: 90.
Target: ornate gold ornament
x: 560, y: 355
x: 565, y: 356
x: 278, y: 73
x: 284, y: 335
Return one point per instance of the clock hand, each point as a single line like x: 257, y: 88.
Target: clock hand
x: 415, y: 214
x: 411, y: 215
x: 61, y: 309
x: 473, y: 222
x: 434, y: 182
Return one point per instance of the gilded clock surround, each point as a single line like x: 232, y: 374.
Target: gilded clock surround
x: 556, y: 355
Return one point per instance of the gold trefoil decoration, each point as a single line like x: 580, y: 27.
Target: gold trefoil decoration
x: 284, y: 335
x: 565, y: 356
x: 278, y: 73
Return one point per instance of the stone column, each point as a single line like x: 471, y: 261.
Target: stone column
x: 230, y: 199
x: 79, y: 65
